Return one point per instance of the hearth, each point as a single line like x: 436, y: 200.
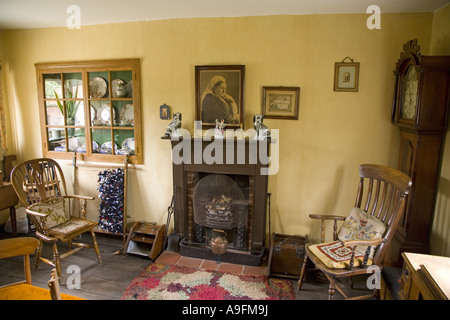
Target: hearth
x: 221, y: 196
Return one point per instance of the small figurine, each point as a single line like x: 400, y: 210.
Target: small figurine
x: 262, y: 131
x: 220, y: 128
x: 173, y: 129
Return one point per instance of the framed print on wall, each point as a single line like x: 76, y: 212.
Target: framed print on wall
x: 346, y: 76
x: 219, y: 94
x: 281, y: 102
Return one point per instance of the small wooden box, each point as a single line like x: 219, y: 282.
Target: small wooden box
x: 286, y: 255
x: 145, y: 239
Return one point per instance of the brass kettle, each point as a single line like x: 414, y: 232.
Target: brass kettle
x: 219, y: 245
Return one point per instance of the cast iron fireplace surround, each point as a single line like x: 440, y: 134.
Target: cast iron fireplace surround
x: 229, y: 195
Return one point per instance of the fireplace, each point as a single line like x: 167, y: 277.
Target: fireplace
x: 227, y: 195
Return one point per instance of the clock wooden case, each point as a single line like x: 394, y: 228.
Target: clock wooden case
x: 420, y: 110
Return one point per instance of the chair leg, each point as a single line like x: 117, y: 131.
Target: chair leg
x: 302, y: 273
x: 95, y: 243
x: 331, y: 288
x: 38, y: 254
x: 57, y: 259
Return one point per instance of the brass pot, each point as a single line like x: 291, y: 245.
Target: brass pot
x: 219, y: 245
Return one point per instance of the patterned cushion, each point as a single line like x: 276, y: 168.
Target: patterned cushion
x: 361, y: 226
x: 334, y: 255
x: 55, y: 211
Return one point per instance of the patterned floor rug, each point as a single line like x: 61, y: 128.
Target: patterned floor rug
x: 172, y: 282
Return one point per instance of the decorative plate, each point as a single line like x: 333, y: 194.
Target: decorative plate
x: 127, y: 115
x: 128, y: 144
x: 105, y: 113
x: 118, y: 88
x: 98, y: 87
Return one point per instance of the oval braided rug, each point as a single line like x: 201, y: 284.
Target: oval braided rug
x: 172, y: 282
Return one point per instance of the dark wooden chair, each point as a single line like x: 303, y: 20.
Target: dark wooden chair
x: 384, y: 192
x: 57, y: 216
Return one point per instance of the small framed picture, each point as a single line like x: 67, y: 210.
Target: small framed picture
x: 164, y: 112
x: 346, y: 76
x: 280, y: 102
x: 219, y: 94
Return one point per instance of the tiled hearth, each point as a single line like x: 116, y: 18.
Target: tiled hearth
x: 169, y: 257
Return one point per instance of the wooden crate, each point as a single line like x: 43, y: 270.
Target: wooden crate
x: 286, y: 255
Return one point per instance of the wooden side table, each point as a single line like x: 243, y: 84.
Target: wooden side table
x: 425, y: 277
x: 9, y: 199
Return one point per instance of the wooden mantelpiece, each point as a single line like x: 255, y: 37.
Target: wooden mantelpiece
x: 245, y: 157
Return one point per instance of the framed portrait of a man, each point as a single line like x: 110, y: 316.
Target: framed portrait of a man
x: 219, y: 95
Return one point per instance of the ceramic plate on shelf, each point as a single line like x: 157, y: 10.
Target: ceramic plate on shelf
x: 97, y: 87
x: 104, y: 113
x: 118, y: 88
x: 107, y: 147
x: 128, y: 144
x: 127, y: 114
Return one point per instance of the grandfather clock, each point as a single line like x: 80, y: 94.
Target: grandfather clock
x: 420, y: 110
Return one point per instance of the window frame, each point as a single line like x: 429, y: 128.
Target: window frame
x: 85, y: 67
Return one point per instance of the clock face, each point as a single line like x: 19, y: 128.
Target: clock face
x: 410, y: 88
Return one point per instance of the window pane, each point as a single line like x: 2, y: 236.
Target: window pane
x: 125, y: 141
x: 75, y: 113
x: 52, y: 86
x: 53, y: 113
x: 121, y: 84
x: 76, y: 139
x: 73, y: 86
x: 126, y: 112
x: 102, y: 142
x: 56, y: 139
x: 98, y: 85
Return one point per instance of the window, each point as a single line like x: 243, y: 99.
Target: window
x: 91, y: 108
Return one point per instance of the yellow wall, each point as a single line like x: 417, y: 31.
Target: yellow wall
x: 440, y: 234
x: 319, y: 153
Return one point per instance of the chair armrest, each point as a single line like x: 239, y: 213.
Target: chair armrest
x: 76, y: 196
x: 326, y: 217
x: 354, y: 243
x: 37, y: 214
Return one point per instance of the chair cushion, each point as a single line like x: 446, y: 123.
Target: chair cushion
x: 55, y: 211
x: 29, y: 292
x: 335, y: 256
x: 69, y: 226
x: 361, y: 226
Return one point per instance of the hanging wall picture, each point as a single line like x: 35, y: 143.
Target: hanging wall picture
x: 346, y: 75
x: 219, y: 92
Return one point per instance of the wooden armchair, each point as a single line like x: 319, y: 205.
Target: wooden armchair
x: 41, y: 188
x: 366, y: 234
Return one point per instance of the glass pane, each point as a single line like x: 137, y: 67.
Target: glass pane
x: 52, y: 86
x: 125, y: 141
x: 54, y: 113
x: 75, y: 113
x: 121, y: 84
x: 98, y: 85
x: 76, y: 139
x: 101, y: 141
x: 56, y: 139
x: 126, y: 112
x: 73, y: 86
x: 102, y: 112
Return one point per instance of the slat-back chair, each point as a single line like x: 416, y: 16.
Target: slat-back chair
x: 41, y: 188
x: 381, y: 194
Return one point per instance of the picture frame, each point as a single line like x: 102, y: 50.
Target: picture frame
x: 281, y: 102
x: 164, y: 112
x: 346, y: 76
x: 219, y: 94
